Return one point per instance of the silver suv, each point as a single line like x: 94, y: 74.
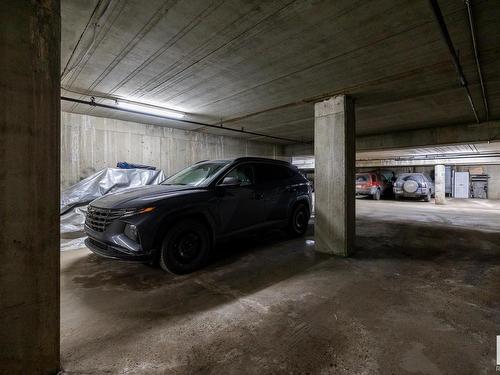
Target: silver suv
x: 414, y: 185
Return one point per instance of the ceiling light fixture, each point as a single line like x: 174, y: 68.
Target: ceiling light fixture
x: 149, y: 109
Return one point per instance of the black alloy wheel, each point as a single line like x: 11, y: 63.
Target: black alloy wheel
x: 299, y: 220
x: 186, y: 247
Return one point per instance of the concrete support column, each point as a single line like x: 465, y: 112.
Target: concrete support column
x: 439, y: 184
x: 29, y: 186
x: 334, y: 151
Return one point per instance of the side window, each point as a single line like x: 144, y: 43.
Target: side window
x: 263, y: 174
x: 267, y: 173
x: 283, y: 172
x: 244, y: 173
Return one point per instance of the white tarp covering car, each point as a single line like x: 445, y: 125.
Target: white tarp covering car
x: 74, y: 200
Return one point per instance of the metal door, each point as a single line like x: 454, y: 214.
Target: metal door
x: 447, y: 180
x: 461, y: 185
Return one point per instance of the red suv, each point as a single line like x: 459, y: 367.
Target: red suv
x: 371, y: 183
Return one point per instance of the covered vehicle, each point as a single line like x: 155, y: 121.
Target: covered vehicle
x: 373, y: 184
x: 107, y: 180
x: 74, y: 199
x: 178, y: 222
x: 414, y: 185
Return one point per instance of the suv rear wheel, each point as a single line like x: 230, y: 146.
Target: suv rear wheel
x: 427, y: 198
x: 185, y: 248
x: 299, y: 220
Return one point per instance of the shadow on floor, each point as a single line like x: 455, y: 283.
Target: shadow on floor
x: 423, y: 241
x: 148, y: 296
x: 269, y: 258
x: 263, y: 260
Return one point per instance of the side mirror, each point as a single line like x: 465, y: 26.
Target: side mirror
x: 230, y: 181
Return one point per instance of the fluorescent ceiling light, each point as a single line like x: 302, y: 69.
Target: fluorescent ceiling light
x: 151, y: 109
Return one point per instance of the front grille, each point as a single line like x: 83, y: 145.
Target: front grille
x: 98, y: 219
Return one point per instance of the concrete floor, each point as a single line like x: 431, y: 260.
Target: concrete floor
x: 419, y: 296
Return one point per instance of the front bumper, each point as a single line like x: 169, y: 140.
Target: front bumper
x: 114, y: 252
x: 113, y: 243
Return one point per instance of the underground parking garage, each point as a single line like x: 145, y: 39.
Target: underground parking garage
x: 250, y: 187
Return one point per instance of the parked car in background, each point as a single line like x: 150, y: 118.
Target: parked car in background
x: 372, y: 183
x: 414, y: 185
x: 178, y: 222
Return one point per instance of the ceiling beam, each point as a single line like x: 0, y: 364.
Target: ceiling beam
x: 485, y: 132
x: 445, y: 135
x: 477, y: 160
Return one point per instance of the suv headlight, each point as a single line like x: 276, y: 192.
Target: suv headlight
x: 136, y: 211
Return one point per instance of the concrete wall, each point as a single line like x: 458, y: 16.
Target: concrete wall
x: 299, y: 149
x: 90, y: 143
x: 493, y: 183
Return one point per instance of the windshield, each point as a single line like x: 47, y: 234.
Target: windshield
x: 196, y: 175
x: 361, y: 178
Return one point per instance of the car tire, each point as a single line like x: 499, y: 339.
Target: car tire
x: 185, y: 248
x: 376, y: 196
x: 427, y: 198
x: 299, y: 220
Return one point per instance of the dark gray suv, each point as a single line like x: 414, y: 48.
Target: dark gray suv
x: 178, y: 222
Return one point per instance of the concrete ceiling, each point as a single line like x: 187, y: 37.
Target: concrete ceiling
x: 261, y: 65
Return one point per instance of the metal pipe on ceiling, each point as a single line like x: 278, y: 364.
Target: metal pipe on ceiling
x: 446, y: 37
x: 468, y: 4
x: 220, y: 127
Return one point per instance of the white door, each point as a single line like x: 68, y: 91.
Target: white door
x: 461, y: 185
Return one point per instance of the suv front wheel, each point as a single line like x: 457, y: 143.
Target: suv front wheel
x: 185, y: 248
